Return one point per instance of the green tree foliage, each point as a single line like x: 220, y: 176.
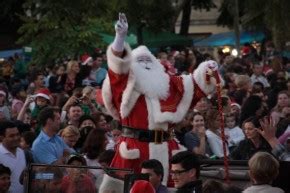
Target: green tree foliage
x: 60, y: 28
x: 157, y: 15
x: 272, y: 15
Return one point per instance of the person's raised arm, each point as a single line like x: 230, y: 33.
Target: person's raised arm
x: 268, y: 131
x: 121, y: 29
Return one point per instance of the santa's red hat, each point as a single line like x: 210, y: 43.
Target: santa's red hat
x: 43, y: 92
x: 246, y: 50
x: 141, y: 186
x: 86, y: 59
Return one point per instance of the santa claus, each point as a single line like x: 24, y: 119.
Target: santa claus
x: 145, y: 99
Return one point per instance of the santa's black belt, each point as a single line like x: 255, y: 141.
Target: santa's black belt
x: 157, y: 135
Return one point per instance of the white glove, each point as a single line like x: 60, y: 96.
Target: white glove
x: 121, y: 29
x: 212, y: 65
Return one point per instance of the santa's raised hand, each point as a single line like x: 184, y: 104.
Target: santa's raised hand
x: 121, y: 28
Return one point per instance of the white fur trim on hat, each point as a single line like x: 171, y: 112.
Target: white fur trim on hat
x: 89, y: 59
x: 128, y: 153
x: 119, y: 65
x: 200, y: 78
x: 42, y: 95
x: 3, y: 93
x: 110, y: 184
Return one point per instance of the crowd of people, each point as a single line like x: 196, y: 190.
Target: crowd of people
x: 55, y: 115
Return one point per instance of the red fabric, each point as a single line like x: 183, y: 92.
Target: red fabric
x: 197, y: 95
x: 176, y: 90
x: 138, y: 118
x: 83, y: 184
x: 169, y: 68
x: 141, y: 186
x: 99, y: 97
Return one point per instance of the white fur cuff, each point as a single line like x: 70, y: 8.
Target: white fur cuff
x: 128, y: 153
x: 119, y: 65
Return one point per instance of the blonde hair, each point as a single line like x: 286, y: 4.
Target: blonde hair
x: 87, y: 90
x: 70, y: 130
x: 264, y: 168
x: 70, y: 65
x: 242, y: 80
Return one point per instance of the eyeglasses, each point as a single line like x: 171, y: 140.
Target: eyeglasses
x: 177, y: 172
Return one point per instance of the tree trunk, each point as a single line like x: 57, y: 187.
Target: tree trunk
x: 185, y: 21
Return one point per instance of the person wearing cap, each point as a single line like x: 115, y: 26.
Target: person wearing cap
x: 78, y: 179
x: 155, y: 171
x: 185, y: 169
x: 37, y: 102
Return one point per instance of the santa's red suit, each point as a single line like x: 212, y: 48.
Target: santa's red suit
x: 146, y: 119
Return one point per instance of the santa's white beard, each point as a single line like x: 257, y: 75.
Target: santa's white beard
x: 153, y: 83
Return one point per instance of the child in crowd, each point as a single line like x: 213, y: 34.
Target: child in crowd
x: 264, y: 168
x: 3, y: 107
x: 243, y: 84
x: 26, y: 141
x: 234, y: 132
x: 5, y: 182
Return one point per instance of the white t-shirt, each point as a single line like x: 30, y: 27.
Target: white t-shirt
x: 215, y: 143
x: 263, y: 189
x: 16, y: 164
x: 236, y: 135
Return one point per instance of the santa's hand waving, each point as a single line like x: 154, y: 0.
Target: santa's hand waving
x: 121, y: 28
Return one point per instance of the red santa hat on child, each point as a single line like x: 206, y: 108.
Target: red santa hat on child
x: 86, y: 59
x: 141, y: 186
x: 43, y: 92
x: 2, y: 92
x: 236, y: 105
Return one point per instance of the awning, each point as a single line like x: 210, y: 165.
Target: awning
x: 228, y: 38
x: 9, y: 53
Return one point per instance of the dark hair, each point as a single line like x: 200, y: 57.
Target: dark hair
x: 155, y: 165
x: 4, y: 170
x: 86, y: 117
x: 188, y: 160
x: 95, y: 143
x: 194, y: 114
x: 84, y: 132
x: 106, y: 156
x: 35, y: 74
x: 254, y: 120
x: 28, y: 137
x: 250, y: 107
x: 4, y: 125
x: 210, y: 186
x: 45, y: 114
x: 78, y: 157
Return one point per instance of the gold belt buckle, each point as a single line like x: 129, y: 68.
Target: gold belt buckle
x: 158, y: 136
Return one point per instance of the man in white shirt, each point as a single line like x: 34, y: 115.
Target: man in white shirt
x: 11, y: 155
